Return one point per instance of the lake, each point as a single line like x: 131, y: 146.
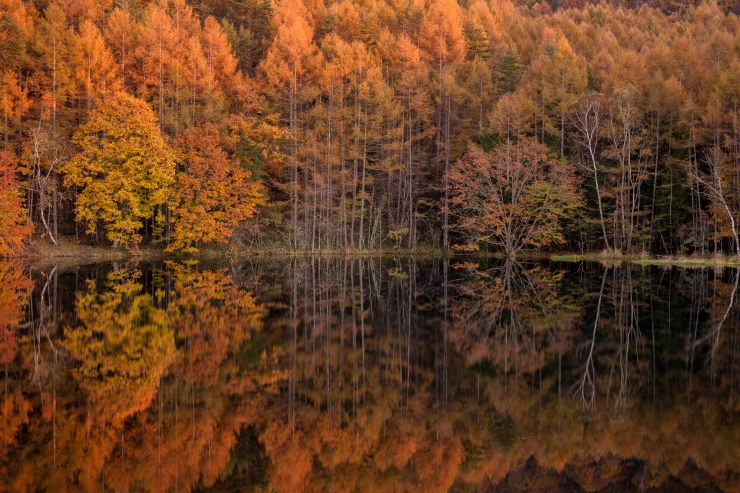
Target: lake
x: 369, y: 374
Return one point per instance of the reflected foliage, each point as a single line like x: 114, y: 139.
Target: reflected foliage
x: 370, y: 375
x: 123, y: 342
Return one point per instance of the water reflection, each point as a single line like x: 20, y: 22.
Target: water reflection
x: 369, y: 375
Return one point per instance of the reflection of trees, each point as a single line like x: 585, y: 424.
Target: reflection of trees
x: 375, y: 375
x: 14, y: 289
x: 585, y: 386
x: 185, y: 435
x: 124, y: 343
x: 620, y: 320
x: 720, y: 307
x: 121, y: 417
x: 512, y: 314
x: 362, y: 405
x: 373, y: 401
x: 212, y: 317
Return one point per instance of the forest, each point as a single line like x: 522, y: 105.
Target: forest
x: 304, y: 125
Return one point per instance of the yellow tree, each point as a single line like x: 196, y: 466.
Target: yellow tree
x: 212, y: 194
x: 125, y: 168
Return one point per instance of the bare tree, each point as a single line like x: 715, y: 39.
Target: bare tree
x: 587, y: 121
x: 712, y: 182
x: 46, y: 155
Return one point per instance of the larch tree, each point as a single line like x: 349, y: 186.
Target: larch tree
x: 124, y: 171
x: 285, y: 68
x: 563, y: 78
x: 97, y: 74
x: 14, y: 224
x: 441, y: 36
x: 212, y: 195
x: 13, y: 98
x: 120, y: 35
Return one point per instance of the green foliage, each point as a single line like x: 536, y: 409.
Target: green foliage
x: 251, y: 157
x: 478, y: 42
x: 487, y: 142
x: 248, y: 28
x: 552, y: 142
x: 509, y: 71
x: 593, y: 82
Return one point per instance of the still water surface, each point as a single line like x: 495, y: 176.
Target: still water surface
x: 369, y: 375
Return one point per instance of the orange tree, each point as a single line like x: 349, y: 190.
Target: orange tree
x: 125, y: 168
x: 515, y: 197
x: 14, y: 225
x: 212, y: 194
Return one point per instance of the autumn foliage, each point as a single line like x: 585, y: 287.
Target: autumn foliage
x: 353, y: 117
x: 171, y: 376
x: 14, y: 224
x: 212, y: 193
x: 123, y: 341
x: 124, y: 170
x: 514, y: 198
x: 14, y: 289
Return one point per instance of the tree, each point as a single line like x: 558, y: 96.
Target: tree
x: 564, y: 77
x: 125, y: 168
x: 441, y: 33
x: 14, y: 224
x: 285, y: 67
x: 509, y: 70
x: 719, y: 195
x: 212, y: 195
x: 587, y: 119
x: 629, y: 150
x: 98, y: 75
x: 516, y: 197
x: 119, y: 34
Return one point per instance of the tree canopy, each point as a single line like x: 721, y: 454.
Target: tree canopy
x: 124, y: 169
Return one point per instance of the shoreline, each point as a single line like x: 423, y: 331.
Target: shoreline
x: 69, y: 251
x: 644, y: 259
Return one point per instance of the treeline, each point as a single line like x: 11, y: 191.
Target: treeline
x: 667, y: 6
x: 356, y: 119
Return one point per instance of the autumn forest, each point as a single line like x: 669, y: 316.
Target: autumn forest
x: 304, y: 125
